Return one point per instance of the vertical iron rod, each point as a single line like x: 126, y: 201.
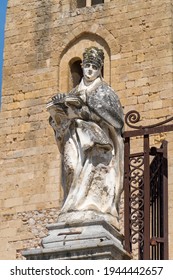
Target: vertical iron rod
x: 127, y: 214
x: 165, y: 199
x: 146, y: 254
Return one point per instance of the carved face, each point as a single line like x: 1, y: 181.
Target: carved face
x: 91, y: 71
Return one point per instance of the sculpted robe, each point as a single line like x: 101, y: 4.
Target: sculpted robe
x: 88, y: 128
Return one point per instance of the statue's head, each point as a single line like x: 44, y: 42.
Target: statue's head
x: 94, y: 55
x: 93, y: 59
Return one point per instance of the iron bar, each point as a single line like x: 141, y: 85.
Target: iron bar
x: 127, y: 230
x: 146, y: 252
x: 165, y: 200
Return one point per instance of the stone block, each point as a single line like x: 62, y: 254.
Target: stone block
x: 92, y: 240
x: 8, y: 255
x: 11, y: 202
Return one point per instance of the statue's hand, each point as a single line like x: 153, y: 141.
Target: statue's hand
x: 58, y: 97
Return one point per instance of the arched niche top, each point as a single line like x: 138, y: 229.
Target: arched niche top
x: 74, y: 59
x: 75, y: 49
x: 96, y: 29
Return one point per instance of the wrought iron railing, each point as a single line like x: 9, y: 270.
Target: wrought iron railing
x: 146, y: 191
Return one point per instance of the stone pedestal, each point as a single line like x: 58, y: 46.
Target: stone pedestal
x: 86, y: 241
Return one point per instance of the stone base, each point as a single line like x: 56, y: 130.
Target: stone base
x: 91, y: 241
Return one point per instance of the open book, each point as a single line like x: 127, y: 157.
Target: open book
x: 58, y: 106
x: 65, y: 101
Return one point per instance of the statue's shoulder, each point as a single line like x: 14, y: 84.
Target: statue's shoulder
x: 105, y: 103
x: 107, y: 90
x: 103, y: 85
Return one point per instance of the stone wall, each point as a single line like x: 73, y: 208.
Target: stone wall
x: 40, y: 35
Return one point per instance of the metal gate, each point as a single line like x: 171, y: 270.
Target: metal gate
x: 146, y: 191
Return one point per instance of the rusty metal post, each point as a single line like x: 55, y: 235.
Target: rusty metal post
x: 127, y: 214
x: 146, y: 251
x: 165, y: 200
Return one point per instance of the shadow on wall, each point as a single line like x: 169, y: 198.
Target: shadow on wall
x: 42, y: 31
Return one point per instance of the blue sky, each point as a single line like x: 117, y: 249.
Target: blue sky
x: 3, y: 5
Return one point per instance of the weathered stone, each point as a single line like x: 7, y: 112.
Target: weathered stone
x: 92, y: 240
x: 88, y: 124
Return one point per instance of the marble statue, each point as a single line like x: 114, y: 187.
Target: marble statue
x: 88, y: 124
